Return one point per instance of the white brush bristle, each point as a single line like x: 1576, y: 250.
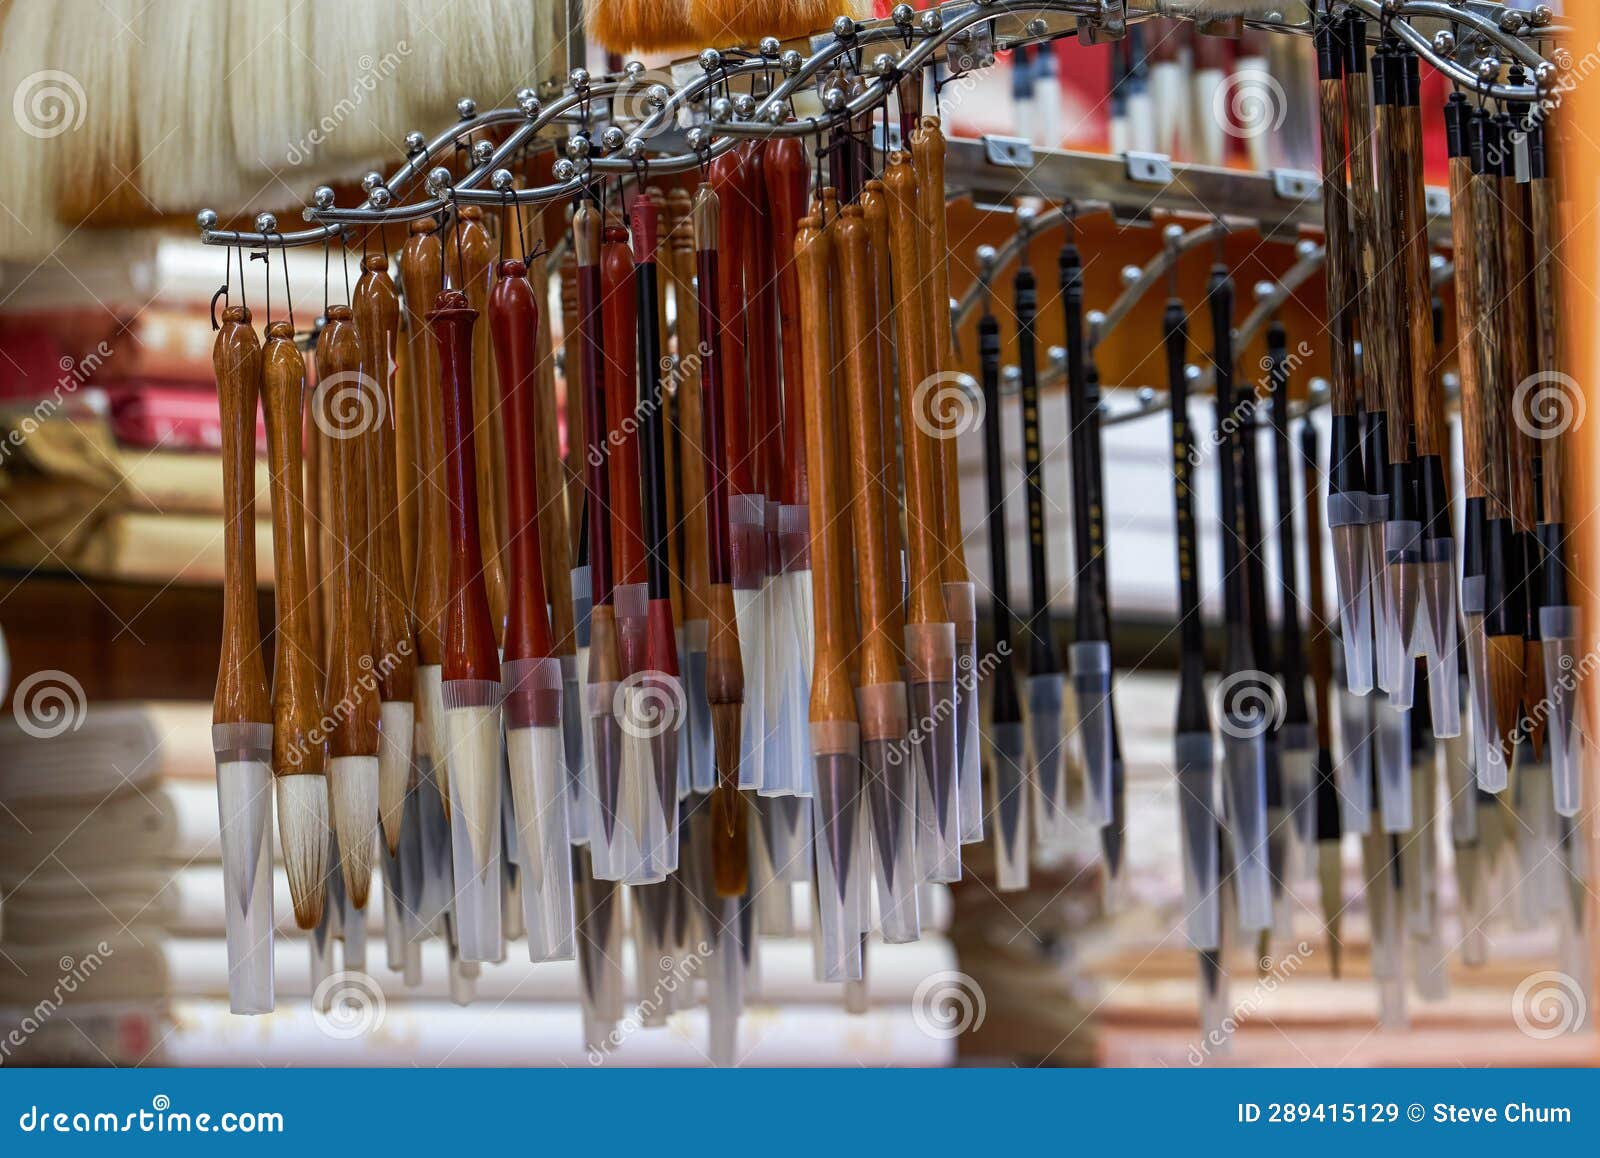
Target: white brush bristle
x: 269, y: 101
x: 474, y: 746
x: 185, y: 133
x: 353, y: 787
x: 96, y: 167
x: 483, y: 49
x: 747, y: 606
x: 365, y: 64
x: 303, y: 832
x: 396, y: 729
x: 28, y: 226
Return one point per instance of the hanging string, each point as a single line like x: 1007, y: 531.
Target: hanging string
x: 327, y: 273
x: 287, y: 296
x: 244, y: 302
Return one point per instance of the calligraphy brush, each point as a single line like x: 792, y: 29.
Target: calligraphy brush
x: 471, y: 674
x: 351, y: 692
x: 1297, y: 755
x: 1347, y: 485
x: 1504, y: 612
x: 835, y: 733
x: 874, y: 201
x: 1558, y: 616
x: 603, y: 672
x: 531, y: 674
x: 1045, y: 689
x: 375, y: 302
x: 1329, y: 818
x: 421, y: 273
x: 664, y: 686
x: 298, y: 750
x: 1090, y: 653
x: 1007, y: 738
x: 1193, y: 745
x: 948, y: 411
x: 241, y: 713
x: 1520, y: 355
x: 1242, y: 710
x: 692, y: 491
x: 725, y: 681
x: 1375, y: 314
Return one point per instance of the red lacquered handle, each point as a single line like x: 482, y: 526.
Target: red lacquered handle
x: 788, y: 180
x: 728, y: 179
x: 620, y: 316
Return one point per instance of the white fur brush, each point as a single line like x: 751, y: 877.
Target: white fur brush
x: 269, y: 101
x: 185, y: 132
x: 483, y: 49
x: 49, y: 107
x: 96, y: 167
x: 365, y: 64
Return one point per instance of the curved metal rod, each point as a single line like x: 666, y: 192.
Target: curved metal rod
x: 1152, y: 273
x: 1006, y: 253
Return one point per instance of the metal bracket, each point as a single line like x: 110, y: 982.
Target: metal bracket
x: 1149, y: 168
x: 1008, y: 152
x: 1110, y: 24
x: 1297, y: 185
x: 970, y: 50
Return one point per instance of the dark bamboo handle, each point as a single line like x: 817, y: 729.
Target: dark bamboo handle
x: 1513, y: 315
x: 421, y: 271
x: 1489, y: 482
x: 1363, y: 196
x: 1462, y: 243
x: 1547, y: 232
x: 1336, y: 214
x: 1427, y: 388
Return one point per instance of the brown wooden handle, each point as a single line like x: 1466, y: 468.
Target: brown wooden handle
x: 1427, y: 387
x: 621, y: 329
x: 241, y: 695
x: 1513, y: 315
x: 926, y: 600
x: 691, y: 446
x: 1363, y: 197
x: 296, y: 678
x: 352, y: 696
x: 875, y: 211
x: 555, y: 539
x: 1547, y: 232
x: 421, y: 272
x: 1336, y: 231
x: 1461, y: 229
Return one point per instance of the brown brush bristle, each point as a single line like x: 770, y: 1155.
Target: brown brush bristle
x: 641, y: 25
x: 722, y: 22
x: 1505, y: 681
x: 1535, y: 706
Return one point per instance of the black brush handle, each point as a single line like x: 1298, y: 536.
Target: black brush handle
x: 1041, y: 640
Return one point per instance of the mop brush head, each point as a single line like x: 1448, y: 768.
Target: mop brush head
x: 184, y: 130
x: 721, y: 22
x: 268, y: 102
x: 1505, y: 682
x: 1534, y: 694
x: 303, y: 830
x: 28, y: 228
x: 96, y: 169
x: 640, y: 25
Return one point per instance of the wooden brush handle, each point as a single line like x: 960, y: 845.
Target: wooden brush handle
x: 1427, y: 388
x: 1336, y: 215
x: 376, y: 306
x: 1363, y: 216
x: 241, y: 695
x: 926, y: 601
x: 788, y: 178
x: 729, y: 180
x: 1321, y: 639
x: 597, y: 479
x: 927, y: 146
x: 318, y: 552
x: 621, y: 322
x: 1389, y: 336
x: 875, y: 210
x: 876, y: 570
x: 404, y: 442
x: 473, y: 271
x: 691, y: 445
x: 761, y: 321
x: 1464, y: 247
x: 1516, y: 325
x: 469, y: 639
x: 550, y: 475
x: 296, y: 679
x: 832, y: 697
x: 713, y: 437
x: 571, y: 377
x: 514, y: 325
x: 421, y: 272
x: 1547, y: 229
x: 352, y: 698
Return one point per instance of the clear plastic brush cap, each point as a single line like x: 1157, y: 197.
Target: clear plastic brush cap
x: 473, y: 736
x: 1297, y: 758
x: 1558, y: 626
x: 1488, y: 756
x: 702, y: 761
x: 961, y: 601
x: 931, y: 683
x: 1090, y: 661
x: 747, y: 530
x: 244, y: 810
x: 1346, y: 516
x: 1044, y: 705
x: 1440, y: 611
x: 1008, y: 764
x: 1392, y: 729
x: 536, y: 757
x: 1245, y: 798
x: 1197, y: 822
x: 1382, y: 606
x: 1402, y: 552
x: 890, y: 769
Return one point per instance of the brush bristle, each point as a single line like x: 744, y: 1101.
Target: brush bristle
x: 269, y: 102
x: 365, y: 66
x: 483, y: 49
x: 185, y: 133
x: 28, y: 227
x: 353, y: 789
x: 303, y: 831
x: 1534, y: 694
x: 395, y: 733
x: 100, y: 45
x: 640, y: 25
x: 1505, y: 681
x: 722, y: 22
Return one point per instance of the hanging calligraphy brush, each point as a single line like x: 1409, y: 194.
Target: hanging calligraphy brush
x: 1296, y: 753
x: 874, y: 201
x: 692, y: 492
x: 929, y: 635
x: 1090, y: 653
x: 531, y: 675
x: 1347, y: 485
x: 471, y: 675
x: 948, y: 413
x: 1046, y: 684
x: 376, y: 305
x: 352, y: 695
x: 299, y: 751
x: 1243, y: 708
x: 1193, y: 744
x: 725, y: 682
x: 607, y: 832
x: 1007, y: 738
x: 1558, y: 615
x: 241, y: 713
x: 1329, y: 819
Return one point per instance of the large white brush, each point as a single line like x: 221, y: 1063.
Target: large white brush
x: 364, y: 65
x: 48, y: 107
x: 96, y: 168
x: 185, y: 131
x: 472, y: 731
x: 269, y: 101
x: 484, y: 49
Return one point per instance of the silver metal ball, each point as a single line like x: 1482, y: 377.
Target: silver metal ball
x: 206, y: 219
x: 833, y: 99
x: 1264, y: 290
x: 1172, y: 234
x: 266, y: 223
x: 563, y: 170
x: 744, y: 104
x: 776, y: 114
x: 415, y: 143
x: 1304, y: 249
x: 931, y: 21
x: 844, y: 28
x: 697, y: 138
x: 635, y: 149
x: 1489, y: 68
x: 1146, y: 395
x: 1095, y: 319
x: 1011, y: 379
x: 710, y: 60
x: 577, y: 146
x: 634, y: 69
x: 987, y: 256
x: 1191, y: 372
x: 1512, y: 21
x: 791, y: 62
x: 1317, y: 387
x: 481, y: 152
x: 578, y: 78
x: 1057, y: 355
x: 1131, y: 275
x: 323, y: 196
x: 721, y: 109
x: 1444, y: 42
x: 380, y: 197
x: 656, y: 96
x: 1542, y: 16
x: 523, y: 94
x: 612, y: 138
x: 1026, y: 216
x: 1036, y: 27
x: 528, y: 103
x: 466, y: 108
x: 438, y: 180
x: 1545, y: 74
x: 883, y: 65
x: 903, y: 15
x: 502, y: 181
x: 770, y: 46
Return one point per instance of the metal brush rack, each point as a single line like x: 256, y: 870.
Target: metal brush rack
x: 685, y: 125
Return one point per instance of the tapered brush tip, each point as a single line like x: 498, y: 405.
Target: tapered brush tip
x: 1505, y: 681
x: 1535, y: 700
x: 394, y: 769
x: 353, y: 788
x: 303, y: 830
x: 725, y: 730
